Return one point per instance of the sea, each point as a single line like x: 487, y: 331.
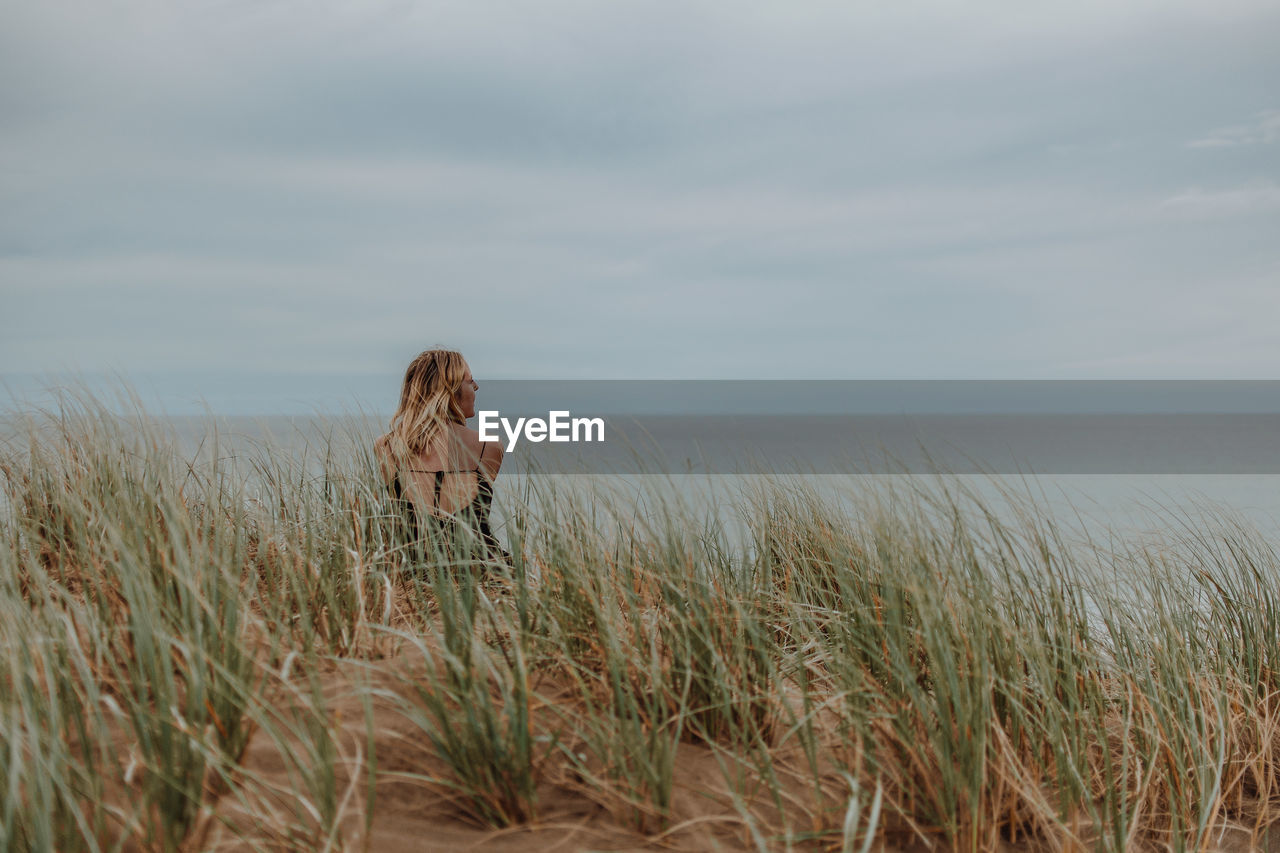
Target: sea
x: 1128, y: 476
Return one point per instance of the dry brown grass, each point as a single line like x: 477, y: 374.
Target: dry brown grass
x: 187, y: 666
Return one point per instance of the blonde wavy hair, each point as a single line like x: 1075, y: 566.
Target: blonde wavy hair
x: 428, y: 402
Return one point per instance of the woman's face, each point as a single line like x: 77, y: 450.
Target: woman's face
x: 467, y: 395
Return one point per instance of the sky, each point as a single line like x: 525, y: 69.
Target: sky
x: 257, y: 203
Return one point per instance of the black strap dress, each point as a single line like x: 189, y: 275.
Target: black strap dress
x: 468, y: 526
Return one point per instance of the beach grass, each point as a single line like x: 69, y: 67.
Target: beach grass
x: 207, y: 650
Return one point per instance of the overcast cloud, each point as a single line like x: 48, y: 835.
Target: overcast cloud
x: 645, y: 190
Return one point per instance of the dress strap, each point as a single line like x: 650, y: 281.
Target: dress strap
x: 475, y: 470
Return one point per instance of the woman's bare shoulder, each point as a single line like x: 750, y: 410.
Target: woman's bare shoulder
x: 468, y: 439
x: 487, y: 452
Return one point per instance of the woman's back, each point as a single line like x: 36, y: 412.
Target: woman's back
x: 449, y: 488
x: 439, y: 472
x: 448, y: 477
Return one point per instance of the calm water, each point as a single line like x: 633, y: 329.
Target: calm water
x: 1139, y: 501
x: 1131, y: 493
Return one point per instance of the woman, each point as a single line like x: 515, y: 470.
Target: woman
x: 441, y: 470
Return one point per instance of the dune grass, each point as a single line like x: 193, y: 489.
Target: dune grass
x: 902, y: 667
